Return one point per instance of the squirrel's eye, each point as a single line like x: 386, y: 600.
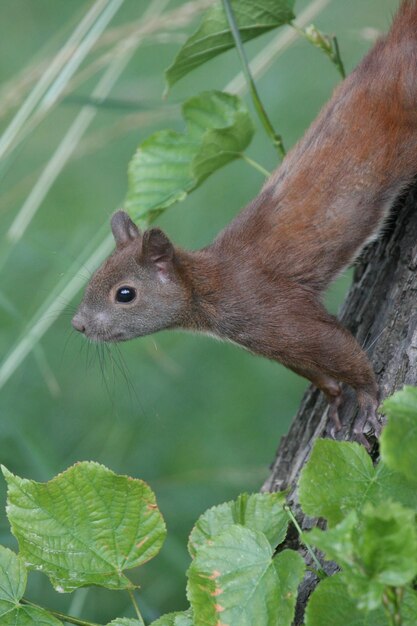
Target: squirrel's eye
x: 125, y: 294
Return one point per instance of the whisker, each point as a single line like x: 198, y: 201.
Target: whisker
x: 127, y: 377
x: 371, y: 345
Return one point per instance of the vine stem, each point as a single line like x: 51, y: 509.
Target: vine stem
x: 257, y: 166
x: 320, y: 571
x: 61, y: 616
x: 391, y: 601
x: 136, y: 606
x: 262, y: 114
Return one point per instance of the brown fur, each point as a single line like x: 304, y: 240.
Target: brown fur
x: 260, y: 282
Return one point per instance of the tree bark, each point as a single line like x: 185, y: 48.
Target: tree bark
x: 381, y: 311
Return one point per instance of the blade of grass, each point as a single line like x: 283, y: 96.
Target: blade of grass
x: 32, y: 100
x: 145, y: 31
x: 72, y: 281
x: 70, y: 142
x: 13, y: 91
x: 79, y: 55
x: 57, y: 88
x: 63, y: 292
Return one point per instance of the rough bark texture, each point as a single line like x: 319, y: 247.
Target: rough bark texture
x: 381, y: 311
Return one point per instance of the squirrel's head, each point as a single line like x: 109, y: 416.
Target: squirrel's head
x: 136, y: 291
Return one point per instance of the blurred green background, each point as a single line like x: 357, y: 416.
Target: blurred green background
x: 198, y: 420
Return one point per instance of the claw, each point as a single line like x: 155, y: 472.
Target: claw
x: 333, y: 413
x: 367, y: 415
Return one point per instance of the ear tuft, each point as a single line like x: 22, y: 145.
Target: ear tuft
x: 157, y: 248
x: 123, y: 229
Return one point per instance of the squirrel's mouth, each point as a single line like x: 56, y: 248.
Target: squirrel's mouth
x: 98, y: 333
x: 106, y: 336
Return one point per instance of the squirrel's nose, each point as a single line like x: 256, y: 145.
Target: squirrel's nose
x: 78, y: 324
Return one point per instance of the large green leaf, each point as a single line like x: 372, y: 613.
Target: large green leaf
x: 168, y: 165
x: 399, y: 437
x: 375, y: 550
x: 259, y: 511
x: 339, y: 477
x: 183, y: 618
x: 331, y: 605
x: 254, y: 17
x: 86, y: 526
x: 13, y: 577
x: 234, y: 579
x: 335, y: 479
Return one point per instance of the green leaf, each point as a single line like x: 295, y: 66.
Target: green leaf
x: 375, y: 550
x: 339, y: 477
x: 234, y: 579
x: 168, y: 165
x: 399, y: 437
x: 182, y: 618
x: 13, y: 577
x: 335, y: 479
x: 331, y: 605
x: 259, y: 511
x: 214, y: 37
x: 23, y: 615
x: 391, y: 485
x: 86, y: 526
x: 409, y: 608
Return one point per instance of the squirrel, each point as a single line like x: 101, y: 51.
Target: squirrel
x: 259, y: 284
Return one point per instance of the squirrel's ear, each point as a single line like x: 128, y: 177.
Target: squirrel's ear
x: 124, y: 230
x: 157, y: 248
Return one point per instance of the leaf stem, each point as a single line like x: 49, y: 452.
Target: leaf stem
x: 135, y: 604
x: 320, y: 571
x: 262, y: 114
x: 257, y: 166
x: 61, y: 616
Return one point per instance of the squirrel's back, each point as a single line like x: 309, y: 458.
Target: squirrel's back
x: 334, y: 189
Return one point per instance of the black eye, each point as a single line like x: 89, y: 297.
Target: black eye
x: 125, y: 294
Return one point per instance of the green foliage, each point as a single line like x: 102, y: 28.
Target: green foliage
x: 331, y: 605
x: 86, y: 526
x: 183, y: 618
x: 401, y: 433
x: 340, y: 477
x: 335, y: 480
x: 214, y: 37
x: 376, y: 549
x: 372, y: 535
x: 168, y: 165
x: 260, y: 511
x: 13, y: 577
x: 234, y: 579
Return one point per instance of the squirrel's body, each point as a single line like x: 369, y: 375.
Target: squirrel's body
x: 260, y: 282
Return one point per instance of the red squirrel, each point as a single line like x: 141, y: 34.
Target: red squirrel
x: 260, y: 283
